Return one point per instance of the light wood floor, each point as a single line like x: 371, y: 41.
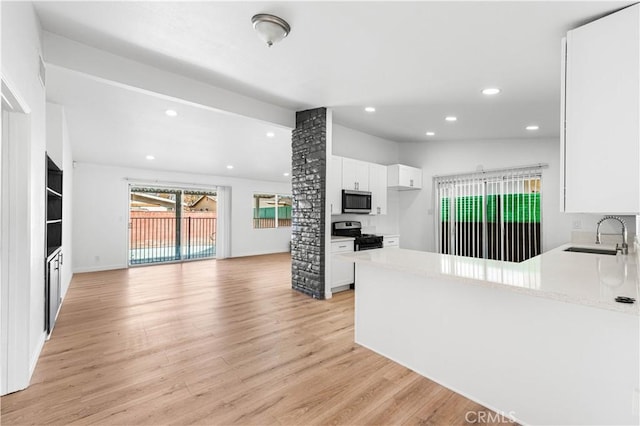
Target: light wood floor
x: 217, y: 342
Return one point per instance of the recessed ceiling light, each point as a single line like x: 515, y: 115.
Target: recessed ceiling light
x: 451, y: 118
x: 171, y: 113
x: 270, y: 134
x: 150, y: 157
x: 430, y: 134
x: 370, y: 109
x: 532, y: 127
x: 229, y: 167
x: 285, y: 174
x: 490, y: 91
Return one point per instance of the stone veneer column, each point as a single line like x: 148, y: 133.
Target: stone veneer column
x: 308, y: 180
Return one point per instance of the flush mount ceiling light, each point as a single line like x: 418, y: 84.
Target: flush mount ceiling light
x: 150, y: 157
x: 430, y: 134
x: 171, y: 113
x: 490, y: 91
x: 270, y: 134
x: 451, y: 118
x: 285, y: 174
x: 270, y: 28
x: 532, y: 127
x: 229, y: 167
x: 370, y: 109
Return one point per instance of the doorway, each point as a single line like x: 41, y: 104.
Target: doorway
x: 16, y: 333
x: 171, y: 224
x: 491, y: 215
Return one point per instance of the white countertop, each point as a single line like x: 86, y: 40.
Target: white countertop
x: 581, y: 278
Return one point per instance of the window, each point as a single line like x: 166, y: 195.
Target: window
x: 271, y: 211
x: 491, y: 215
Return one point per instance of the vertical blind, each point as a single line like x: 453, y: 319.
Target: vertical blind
x: 490, y: 214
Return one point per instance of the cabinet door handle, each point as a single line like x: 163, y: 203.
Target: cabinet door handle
x: 378, y: 209
x: 61, y: 259
x: 342, y: 246
x: 411, y: 182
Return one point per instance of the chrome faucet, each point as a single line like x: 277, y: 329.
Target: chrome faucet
x: 625, y: 247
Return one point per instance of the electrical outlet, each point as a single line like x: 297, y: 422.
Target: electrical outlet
x: 577, y: 224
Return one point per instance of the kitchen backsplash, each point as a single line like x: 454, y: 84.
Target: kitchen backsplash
x: 589, y: 237
x: 370, y: 224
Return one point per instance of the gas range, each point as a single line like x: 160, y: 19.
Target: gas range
x: 354, y: 229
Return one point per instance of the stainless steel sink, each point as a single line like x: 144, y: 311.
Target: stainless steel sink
x: 591, y: 250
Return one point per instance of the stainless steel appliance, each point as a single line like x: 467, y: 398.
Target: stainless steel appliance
x: 356, y: 201
x: 354, y: 229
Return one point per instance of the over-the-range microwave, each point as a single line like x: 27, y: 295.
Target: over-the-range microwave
x: 356, y: 201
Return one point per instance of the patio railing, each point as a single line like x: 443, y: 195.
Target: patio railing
x: 261, y: 223
x: 165, y: 239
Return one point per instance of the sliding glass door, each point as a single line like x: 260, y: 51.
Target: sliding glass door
x: 168, y: 225
x: 492, y: 215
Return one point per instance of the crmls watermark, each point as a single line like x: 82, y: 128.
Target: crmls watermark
x: 490, y: 417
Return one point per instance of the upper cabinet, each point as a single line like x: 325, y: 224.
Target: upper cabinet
x: 600, y: 136
x: 334, y: 185
x: 355, y: 174
x: 347, y: 173
x: 403, y: 177
x: 378, y: 188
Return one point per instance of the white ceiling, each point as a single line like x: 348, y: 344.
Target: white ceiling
x: 113, y: 125
x: 414, y: 61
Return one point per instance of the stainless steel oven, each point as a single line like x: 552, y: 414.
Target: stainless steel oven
x: 354, y: 229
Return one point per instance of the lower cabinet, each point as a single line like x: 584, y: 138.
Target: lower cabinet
x: 52, y: 290
x: 391, y: 241
x: 342, y: 272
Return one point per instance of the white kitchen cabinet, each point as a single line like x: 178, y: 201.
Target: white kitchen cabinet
x: 600, y: 136
x: 401, y: 177
x: 391, y: 241
x: 53, y: 290
x: 378, y: 188
x: 355, y: 174
x: 342, y: 272
x: 334, y: 185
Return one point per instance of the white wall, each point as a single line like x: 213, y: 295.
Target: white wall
x: 448, y: 157
x: 67, y: 208
x: 21, y: 45
x: 55, y: 119
x: 362, y: 146
x: 100, y: 212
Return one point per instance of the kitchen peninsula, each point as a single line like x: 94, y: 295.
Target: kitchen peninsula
x: 541, y: 341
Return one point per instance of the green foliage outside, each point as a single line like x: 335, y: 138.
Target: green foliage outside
x: 284, y: 212
x: 523, y: 208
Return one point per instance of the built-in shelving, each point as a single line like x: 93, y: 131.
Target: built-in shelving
x: 53, y: 193
x: 53, y: 250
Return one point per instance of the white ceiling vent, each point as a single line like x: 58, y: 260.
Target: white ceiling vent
x: 42, y: 71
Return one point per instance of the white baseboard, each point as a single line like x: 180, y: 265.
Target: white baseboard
x: 82, y: 269
x: 257, y: 253
x: 36, y: 355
